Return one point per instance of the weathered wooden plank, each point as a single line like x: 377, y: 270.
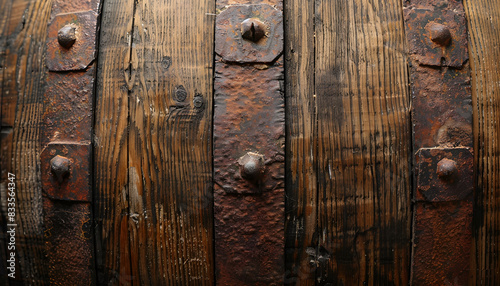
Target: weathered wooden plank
x: 364, y: 143
x: 153, y: 137
x: 22, y: 91
x: 301, y: 149
x: 484, y: 40
x: 170, y: 160
x: 5, y: 139
x: 111, y: 148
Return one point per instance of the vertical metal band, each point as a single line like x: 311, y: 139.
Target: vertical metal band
x: 442, y: 120
x: 66, y: 141
x: 249, y: 146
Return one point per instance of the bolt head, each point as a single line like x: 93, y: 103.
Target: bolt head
x: 60, y: 167
x: 253, y: 29
x: 446, y: 168
x: 67, y: 36
x: 440, y: 34
x: 252, y: 166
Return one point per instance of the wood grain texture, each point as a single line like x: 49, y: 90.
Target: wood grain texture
x: 154, y: 179
x: 111, y: 205
x: 170, y: 161
x: 23, y: 27
x: 484, y: 41
x: 364, y: 143
x: 301, y: 127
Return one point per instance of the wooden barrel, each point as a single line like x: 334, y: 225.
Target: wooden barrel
x: 237, y: 142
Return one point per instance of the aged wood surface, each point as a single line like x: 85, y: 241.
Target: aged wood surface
x: 483, y: 17
x: 153, y: 145
x: 23, y: 27
x: 363, y: 140
x: 111, y: 145
x: 301, y: 126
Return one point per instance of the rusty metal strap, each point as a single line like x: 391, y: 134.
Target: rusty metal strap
x: 442, y: 120
x: 66, y: 136
x: 249, y: 146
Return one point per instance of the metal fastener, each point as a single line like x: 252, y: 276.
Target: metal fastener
x: 446, y: 168
x: 67, y: 36
x: 252, y: 166
x: 253, y: 29
x: 440, y: 34
x: 60, y: 166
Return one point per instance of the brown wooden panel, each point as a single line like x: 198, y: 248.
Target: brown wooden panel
x: 364, y: 143
x: 301, y: 122
x: 24, y: 31
x: 153, y: 154
x: 111, y: 145
x: 484, y: 40
x: 170, y: 160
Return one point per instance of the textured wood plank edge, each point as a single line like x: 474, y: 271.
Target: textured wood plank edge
x: 301, y: 251
x: 483, y: 20
x: 363, y: 143
x: 21, y: 109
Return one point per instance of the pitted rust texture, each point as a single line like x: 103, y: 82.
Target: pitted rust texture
x: 72, y: 6
x: 248, y: 158
x: 70, y: 245
x: 81, y: 53
x: 65, y: 138
x: 444, y: 174
x: 75, y: 186
x: 249, y: 117
x: 231, y: 42
x: 68, y: 107
x: 436, y: 32
x: 442, y: 243
x: 442, y: 107
x: 442, y: 126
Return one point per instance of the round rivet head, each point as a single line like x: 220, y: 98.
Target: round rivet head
x: 446, y: 168
x: 252, y: 166
x: 60, y: 167
x: 440, y: 34
x: 67, y: 36
x: 253, y: 29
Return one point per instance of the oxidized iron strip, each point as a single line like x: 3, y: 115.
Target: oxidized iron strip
x: 249, y: 146
x: 442, y: 120
x: 66, y: 142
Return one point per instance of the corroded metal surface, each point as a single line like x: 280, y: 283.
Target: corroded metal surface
x: 81, y: 53
x: 444, y: 174
x: 75, y: 185
x: 442, y: 107
x: 436, y: 32
x: 442, y: 243
x: 442, y: 126
x: 249, y: 147
x: 70, y: 247
x: 68, y: 106
x: 233, y: 43
x: 249, y: 117
x: 249, y: 175
x: 66, y: 136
